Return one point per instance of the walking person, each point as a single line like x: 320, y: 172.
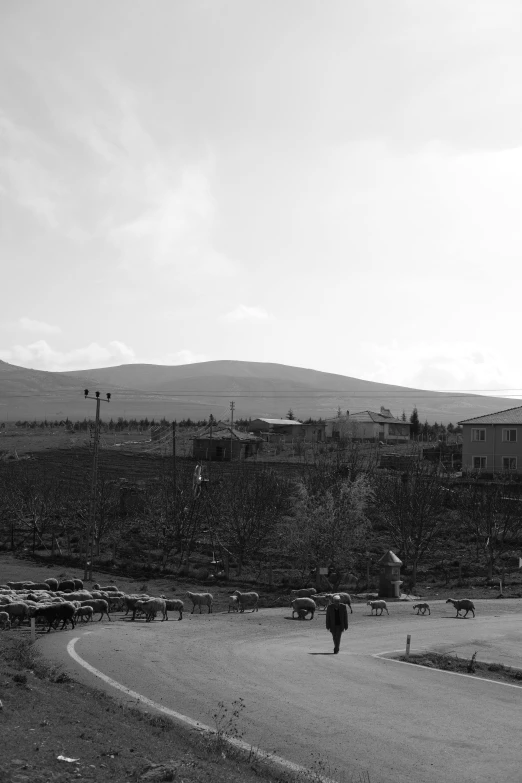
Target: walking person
x: 336, y: 620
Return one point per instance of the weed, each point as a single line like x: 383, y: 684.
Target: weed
x: 472, y: 667
x: 227, y: 722
x: 25, y: 655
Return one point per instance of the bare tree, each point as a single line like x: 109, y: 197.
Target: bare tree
x: 413, y: 508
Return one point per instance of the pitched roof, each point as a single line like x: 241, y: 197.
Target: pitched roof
x: 378, y: 418
x: 279, y: 421
x: 509, y: 416
x: 220, y: 432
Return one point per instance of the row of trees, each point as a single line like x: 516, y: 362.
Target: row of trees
x: 328, y: 515
x: 433, y: 431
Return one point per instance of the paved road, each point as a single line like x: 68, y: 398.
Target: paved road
x: 358, y: 712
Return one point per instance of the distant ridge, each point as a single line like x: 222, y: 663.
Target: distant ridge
x: 195, y: 390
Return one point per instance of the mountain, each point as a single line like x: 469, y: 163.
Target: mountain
x: 195, y: 390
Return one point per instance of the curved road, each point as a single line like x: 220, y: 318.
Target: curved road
x: 353, y: 710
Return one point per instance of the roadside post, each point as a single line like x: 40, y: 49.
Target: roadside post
x: 408, y: 640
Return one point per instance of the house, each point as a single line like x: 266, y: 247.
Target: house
x: 493, y: 443
x: 370, y: 426
x: 224, y: 442
x: 287, y: 430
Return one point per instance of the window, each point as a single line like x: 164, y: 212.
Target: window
x: 509, y: 463
x: 509, y: 436
x: 479, y: 462
x: 478, y: 434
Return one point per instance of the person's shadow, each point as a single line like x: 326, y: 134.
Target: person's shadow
x: 325, y: 653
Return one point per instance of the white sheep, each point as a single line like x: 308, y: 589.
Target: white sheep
x: 304, y: 592
x: 5, y: 622
x: 302, y: 606
x: 346, y: 599
x: 201, y: 599
x: 233, y: 604
x: 173, y: 605
x: 150, y: 608
x: 463, y: 603
x: 84, y: 613
x: 378, y: 605
x: 247, y: 600
x: 422, y: 608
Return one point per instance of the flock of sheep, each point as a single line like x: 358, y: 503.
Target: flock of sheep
x: 307, y: 600
x: 67, y: 602
x: 53, y: 602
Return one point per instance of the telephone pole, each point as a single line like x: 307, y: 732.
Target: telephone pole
x: 89, y: 538
x: 174, y: 477
x: 232, y: 406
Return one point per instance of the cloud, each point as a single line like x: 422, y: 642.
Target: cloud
x: 441, y: 365
x: 40, y: 356
x: 244, y: 313
x: 184, y: 356
x: 31, y: 325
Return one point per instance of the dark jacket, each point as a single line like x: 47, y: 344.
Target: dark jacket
x: 330, y: 617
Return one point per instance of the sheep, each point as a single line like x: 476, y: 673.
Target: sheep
x: 463, y: 603
x: 17, y: 610
x: 115, y: 603
x: 84, y: 613
x: 378, y: 605
x: 345, y: 599
x: 129, y: 601
x: 66, y: 584
x: 422, y: 608
x: 5, y: 622
x: 323, y: 601
x: 53, y: 584
x: 5, y: 599
x: 302, y: 606
x: 201, y: 599
x: 16, y: 585
x: 98, y: 605
x: 78, y: 584
x: 304, y: 592
x: 38, y: 586
x: 233, y: 604
x: 174, y: 605
x: 247, y: 599
x: 150, y: 608
x: 53, y: 614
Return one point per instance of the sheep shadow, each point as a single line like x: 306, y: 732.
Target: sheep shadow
x: 299, y: 619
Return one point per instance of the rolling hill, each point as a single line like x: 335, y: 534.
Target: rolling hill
x: 195, y: 390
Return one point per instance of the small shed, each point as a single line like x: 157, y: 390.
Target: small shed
x: 224, y: 443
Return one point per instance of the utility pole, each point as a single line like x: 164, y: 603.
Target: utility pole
x: 232, y: 406
x: 174, y: 477
x: 89, y: 539
x: 210, y: 421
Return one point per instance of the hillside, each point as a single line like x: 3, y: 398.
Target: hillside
x: 195, y: 390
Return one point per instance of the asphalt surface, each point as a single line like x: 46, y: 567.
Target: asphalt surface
x: 345, y: 713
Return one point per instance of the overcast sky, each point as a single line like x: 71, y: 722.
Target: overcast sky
x: 334, y: 185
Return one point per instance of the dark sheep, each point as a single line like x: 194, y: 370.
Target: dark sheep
x: 57, y: 612
x: 52, y: 584
x: 78, y: 584
x: 66, y: 584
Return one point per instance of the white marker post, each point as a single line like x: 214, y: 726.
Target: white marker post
x: 408, y: 640
x: 33, y: 629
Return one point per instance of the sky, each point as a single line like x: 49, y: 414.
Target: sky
x: 328, y: 185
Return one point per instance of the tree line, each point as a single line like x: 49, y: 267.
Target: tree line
x: 330, y: 514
